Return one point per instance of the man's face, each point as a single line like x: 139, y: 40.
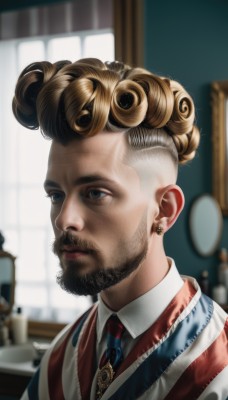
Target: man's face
x: 99, y: 213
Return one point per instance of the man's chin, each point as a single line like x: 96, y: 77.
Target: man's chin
x: 80, y: 284
x: 95, y: 282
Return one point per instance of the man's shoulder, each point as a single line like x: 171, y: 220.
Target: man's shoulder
x: 71, y: 331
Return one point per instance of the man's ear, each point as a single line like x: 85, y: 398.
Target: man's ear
x: 171, y: 203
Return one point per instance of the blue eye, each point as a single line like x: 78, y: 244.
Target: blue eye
x: 96, y: 194
x: 56, y: 197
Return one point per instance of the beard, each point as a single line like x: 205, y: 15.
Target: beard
x: 72, y: 280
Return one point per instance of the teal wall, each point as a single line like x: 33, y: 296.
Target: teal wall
x: 188, y: 41
x: 11, y: 5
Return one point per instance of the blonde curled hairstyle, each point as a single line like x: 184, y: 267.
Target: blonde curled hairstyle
x: 83, y: 98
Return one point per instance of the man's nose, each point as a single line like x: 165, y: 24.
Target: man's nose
x: 70, y: 217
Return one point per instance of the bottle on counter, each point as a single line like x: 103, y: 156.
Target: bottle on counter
x: 219, y: 294
x: 223, y: 267
x: 204, y: 282
x: 19, y: 325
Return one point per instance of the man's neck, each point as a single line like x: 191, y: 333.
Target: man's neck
x: 148, y: 275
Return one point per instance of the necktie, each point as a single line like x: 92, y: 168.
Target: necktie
x: 112, y: 356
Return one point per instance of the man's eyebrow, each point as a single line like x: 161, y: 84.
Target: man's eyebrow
x: 82, y: 180
x: 50, y: 183
x: 92, y: 178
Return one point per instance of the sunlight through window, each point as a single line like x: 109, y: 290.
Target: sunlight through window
x: 24, y: 216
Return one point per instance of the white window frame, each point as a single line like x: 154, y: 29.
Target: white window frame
x: 9, y: 52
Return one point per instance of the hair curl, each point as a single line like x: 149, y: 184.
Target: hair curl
x: 66, y: 99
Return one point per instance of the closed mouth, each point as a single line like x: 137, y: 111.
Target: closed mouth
x: 74, y: 249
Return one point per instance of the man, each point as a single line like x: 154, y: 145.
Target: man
x: 118, y: 134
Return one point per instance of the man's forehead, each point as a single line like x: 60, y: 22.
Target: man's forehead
x: 103, y: 156
x: 107, y: 154
x: 102, y: 144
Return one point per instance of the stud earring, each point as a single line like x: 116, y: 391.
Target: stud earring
x: 159, y: 230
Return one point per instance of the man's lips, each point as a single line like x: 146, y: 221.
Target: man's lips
x: 72, y: 252
x: 72, y: 249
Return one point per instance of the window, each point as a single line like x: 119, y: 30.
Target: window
x: 24, y: 208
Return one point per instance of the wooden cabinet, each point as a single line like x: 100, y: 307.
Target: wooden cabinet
x: 13, y: 385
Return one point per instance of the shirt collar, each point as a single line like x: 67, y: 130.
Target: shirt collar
x: 142, y: 312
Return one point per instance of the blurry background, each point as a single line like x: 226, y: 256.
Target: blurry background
x: 186, y: 41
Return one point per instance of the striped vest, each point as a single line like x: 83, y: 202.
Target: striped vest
x: 183, y: 355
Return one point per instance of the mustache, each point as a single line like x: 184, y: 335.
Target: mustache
x: 68, y: 239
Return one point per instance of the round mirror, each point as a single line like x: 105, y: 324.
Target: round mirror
x: 205, y: 225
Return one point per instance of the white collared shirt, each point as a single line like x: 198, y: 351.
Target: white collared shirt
x: 141, y: 313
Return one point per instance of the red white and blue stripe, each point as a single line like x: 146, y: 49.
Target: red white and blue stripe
x: 183, y: 355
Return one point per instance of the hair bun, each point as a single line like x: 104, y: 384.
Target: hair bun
x: 183, y: 114
x: 29, y: 84
x: 128, y: 104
